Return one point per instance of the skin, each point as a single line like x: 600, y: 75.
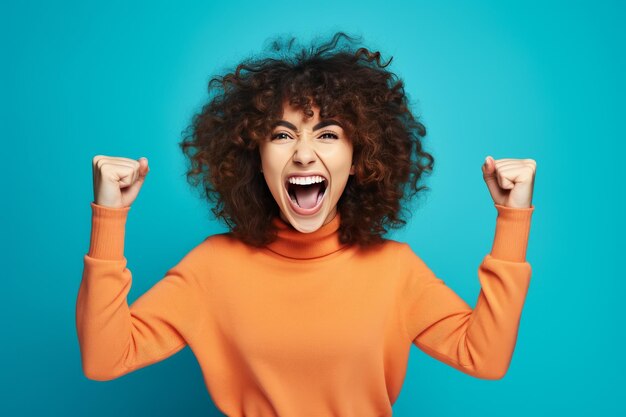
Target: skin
x: 326, y: 150
x: 510, y: 181
x: 117, y: 180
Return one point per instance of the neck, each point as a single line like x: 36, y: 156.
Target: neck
x: 294, y: 244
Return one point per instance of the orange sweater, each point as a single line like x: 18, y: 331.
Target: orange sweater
x: 305, y: 326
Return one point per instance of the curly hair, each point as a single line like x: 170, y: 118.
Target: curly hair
x: 222, y: 142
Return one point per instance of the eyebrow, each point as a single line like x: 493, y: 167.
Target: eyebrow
x: 320, y: 125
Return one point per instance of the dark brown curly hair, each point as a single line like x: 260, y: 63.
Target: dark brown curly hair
x: 352, y: 84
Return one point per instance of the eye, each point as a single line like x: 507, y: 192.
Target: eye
x: 280, y: 135
x: 329, y: 135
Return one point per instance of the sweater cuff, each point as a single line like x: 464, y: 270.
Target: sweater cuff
x: 512, y: 230
x: 107, y: 232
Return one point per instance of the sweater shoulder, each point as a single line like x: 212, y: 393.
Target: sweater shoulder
x: 393, y: 248
x: 396, y: 247
x: 404, y: 254
x: 221, y: 243
x: 209, y: 249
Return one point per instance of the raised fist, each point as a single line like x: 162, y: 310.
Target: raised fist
x: 117, y: 180
x: 510, y: 181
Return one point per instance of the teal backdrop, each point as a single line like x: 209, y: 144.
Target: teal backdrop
x: 517, y: 79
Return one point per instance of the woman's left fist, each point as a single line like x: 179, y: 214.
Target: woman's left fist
x: 510, y: 181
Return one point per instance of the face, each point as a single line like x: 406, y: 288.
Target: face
x: 306, y: 164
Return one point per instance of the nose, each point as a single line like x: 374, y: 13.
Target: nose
x: 304, y: 153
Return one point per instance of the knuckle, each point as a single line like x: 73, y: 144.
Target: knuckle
x: 96, y: 159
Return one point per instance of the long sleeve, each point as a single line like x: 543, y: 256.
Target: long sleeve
x: 114, y: 338
x: 479, y: 341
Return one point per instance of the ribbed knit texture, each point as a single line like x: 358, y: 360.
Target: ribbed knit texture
x: 107, y: 232
x: 305, y: 326
x: 512, y: 229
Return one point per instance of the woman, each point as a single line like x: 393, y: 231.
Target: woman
x: 303, y: 308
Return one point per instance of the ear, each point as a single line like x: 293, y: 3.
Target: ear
x: 352, y: 170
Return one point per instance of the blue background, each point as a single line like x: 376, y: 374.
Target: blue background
x: 522, y: 79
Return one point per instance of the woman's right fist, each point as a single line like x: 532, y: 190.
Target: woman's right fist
x: 116, y: 180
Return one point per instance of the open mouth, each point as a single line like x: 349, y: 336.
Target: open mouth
x: 306, y: 198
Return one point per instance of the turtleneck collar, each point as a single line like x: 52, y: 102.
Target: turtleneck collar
x: 294, y: 244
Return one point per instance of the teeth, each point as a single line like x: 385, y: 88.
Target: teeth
x: 306, y: 180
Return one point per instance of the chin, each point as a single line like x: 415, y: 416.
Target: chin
x: 307, y: 226
x: 304, y: 224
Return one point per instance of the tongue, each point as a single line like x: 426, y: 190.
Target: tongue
x: 306, y: 195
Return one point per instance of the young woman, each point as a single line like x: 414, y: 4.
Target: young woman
x: 303, y: 308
